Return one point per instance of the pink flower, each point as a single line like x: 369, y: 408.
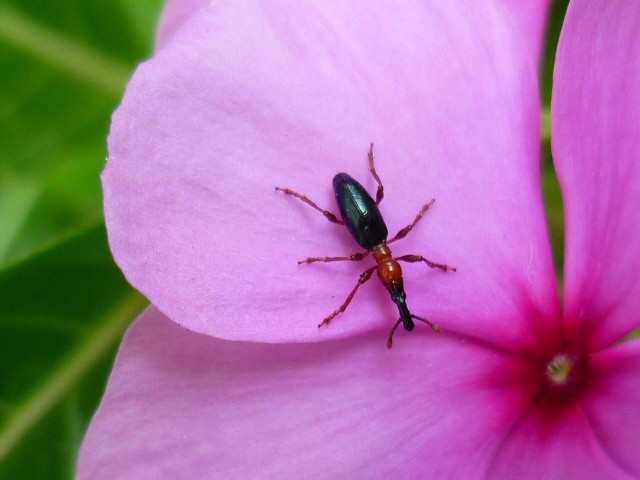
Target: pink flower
x: 242, y: 97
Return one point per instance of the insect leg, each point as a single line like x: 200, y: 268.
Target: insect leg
x: 372, y: 169
x: 366, y: 275
x: 390, y: 339
x: 328, y: 215
x: 356, y: 257
x: 435, y: 327
x: 403, y: 233
x: 420, y: 258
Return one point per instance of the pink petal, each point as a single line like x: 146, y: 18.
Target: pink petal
x: 596, y: 142
x: 183, y: 405
x: 553, y: 446
x: 174, y: 14
x: 531, y: 21
x: 246, y: 98
x: 530, y: 15
x: 612, y: 404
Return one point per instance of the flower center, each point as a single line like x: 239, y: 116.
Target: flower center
x: 565, y: 375
x: 559, y: 369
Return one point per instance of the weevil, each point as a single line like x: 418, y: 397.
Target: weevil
x: 362, y: 217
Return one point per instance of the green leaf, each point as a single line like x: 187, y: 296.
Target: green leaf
x: 63, y: 307
x: 557, y: 10
x: 62, y: 313
x: 551, y: 188
x: 64, y: 67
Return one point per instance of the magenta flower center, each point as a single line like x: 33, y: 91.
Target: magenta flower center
x: 560, y: 369
x: 565, y: 375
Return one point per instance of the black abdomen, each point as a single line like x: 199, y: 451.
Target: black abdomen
x: 359, y: 212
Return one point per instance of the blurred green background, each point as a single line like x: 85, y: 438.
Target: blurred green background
x: 63, y: 303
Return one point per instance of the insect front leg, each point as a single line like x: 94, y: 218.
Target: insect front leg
x: 356, y: 257
x: 366, y: 275
x: 390, y: 337
x: 420, y: 258
x: 435, y: 328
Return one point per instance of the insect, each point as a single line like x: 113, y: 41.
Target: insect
x: 362, y: 217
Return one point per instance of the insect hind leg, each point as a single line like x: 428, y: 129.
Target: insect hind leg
x: 405, y: 231
x: 372, y: 169
x: 327, y: 214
